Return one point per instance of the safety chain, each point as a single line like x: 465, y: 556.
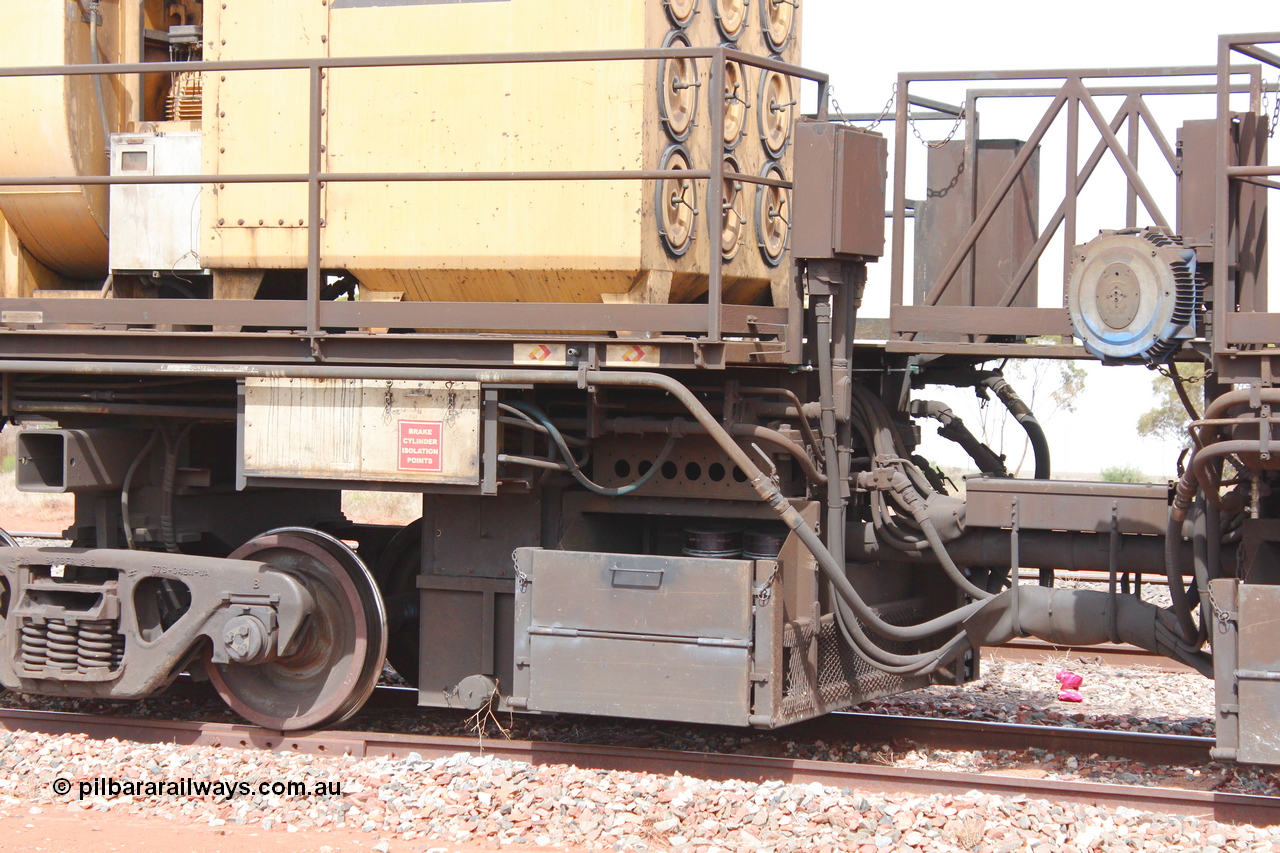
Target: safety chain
x: 884, y: 113
x: 888, y: 105
x: 1275, y: 112
x: 888, y: 108
x: 835, y: 105
x: 1168, y: 373
x: 764, y: 591
x: 950, y: 134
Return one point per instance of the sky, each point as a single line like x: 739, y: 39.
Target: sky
x: 863, y: 46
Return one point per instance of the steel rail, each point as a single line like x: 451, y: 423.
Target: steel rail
x: 863, y: 728
x: 1225, y: 807
x: 963, y: 734
x: 1036, y: 651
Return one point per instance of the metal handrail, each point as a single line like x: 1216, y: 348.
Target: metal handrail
x: 316, y: 176
x: 1075, y: 92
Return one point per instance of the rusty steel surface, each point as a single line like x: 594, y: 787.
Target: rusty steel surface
x: 1236, y: 808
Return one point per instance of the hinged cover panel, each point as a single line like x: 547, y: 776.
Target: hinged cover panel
x: 636, y: 594
x: 351, y: 429
x: 1067, y: 505
x: 1258, y: 673
x: 629, y: 635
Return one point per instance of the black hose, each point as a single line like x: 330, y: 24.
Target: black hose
x: 128, y: 482
x: 576, y: 470
x: 826, y: 400
x: 1022, y: 413
x: 890, y: 662
x: 1173, y: 571
x: 953, y: 429
x: 167, y: 532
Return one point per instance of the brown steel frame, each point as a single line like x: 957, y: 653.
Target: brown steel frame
x: 980, y: 322
x: 1244, y: 333
x: 703, y: 325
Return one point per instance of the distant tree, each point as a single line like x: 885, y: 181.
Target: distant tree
x: 1122, y: 474
x: 1169, y: 418
x: 1071, y: 378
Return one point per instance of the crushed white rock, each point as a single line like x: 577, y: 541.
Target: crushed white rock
x: 484, y: 800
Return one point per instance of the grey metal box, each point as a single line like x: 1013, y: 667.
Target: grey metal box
x: 1197, y: 169
x: 1258, y: 673
x: 155, y: 227
x: 839, y: 193
x: 946, y: 213
x: 466, y: 630
x: 1197, y: 185
x: 1067, y: 505
x: 629, y: 635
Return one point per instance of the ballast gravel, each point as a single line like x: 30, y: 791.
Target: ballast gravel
x: 479, y: 800
x: 1124, y: 698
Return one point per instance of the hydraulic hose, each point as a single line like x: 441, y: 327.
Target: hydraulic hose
x: 952, y: 428
x: 1200, y: 567
x: 572, y: 463
x: 911, y: 498
x: 801, y: 419
x: 995, y: 381
x: 890, y: 662
x: 167, y: 532
x: 1173, y: 571
x: 94, y: 12
x: 830, y: 451
x: 128, y: 483
x: 773, y: 497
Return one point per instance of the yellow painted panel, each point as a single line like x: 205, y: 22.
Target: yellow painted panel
x: 532, y: 241
x: 258, y: 123
x: 570, y: 116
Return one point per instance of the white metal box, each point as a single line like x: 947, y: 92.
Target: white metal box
x: 155, y: 227
x: 367, y: 430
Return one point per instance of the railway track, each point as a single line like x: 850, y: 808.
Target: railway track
x: 901, y: 732
x: 863, y: 728
x: 1033, y: 650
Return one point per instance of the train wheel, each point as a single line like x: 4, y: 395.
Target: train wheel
x: 336, y: 661
x: 397, y: 576
x: 6, y: 541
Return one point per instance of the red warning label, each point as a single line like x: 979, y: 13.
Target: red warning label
x: 420, y: 446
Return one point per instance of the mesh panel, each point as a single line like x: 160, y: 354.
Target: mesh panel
x: 842, y: 679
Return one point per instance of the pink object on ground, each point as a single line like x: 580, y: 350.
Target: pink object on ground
x: 1071, y: 695
x: 1069, y: 680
